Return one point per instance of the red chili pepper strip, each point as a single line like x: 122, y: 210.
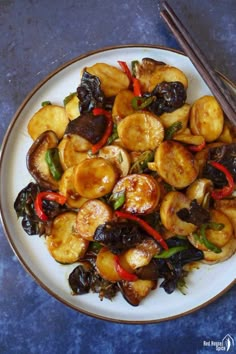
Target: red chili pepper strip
x: 137, y: 87
x: 108, y: 131
x: 226, y: 190
x: 133, y: 80
x: 126, y: 70
x: 38, y: 204
x: 152, y: 232
x: 196, y: 148
x: 123, y: 273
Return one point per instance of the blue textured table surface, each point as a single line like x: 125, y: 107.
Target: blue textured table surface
x: 36, y: 38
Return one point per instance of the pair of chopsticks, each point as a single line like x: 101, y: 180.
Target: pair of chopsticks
x: 191, y: 49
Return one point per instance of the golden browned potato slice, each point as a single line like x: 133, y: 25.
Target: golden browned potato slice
x: 95, y: 177
x: 199, y: 189
x: 49, y: 117
x: 226, y: 136
x: 122, y: 105
x: 179, y: 115
x: 227, y: 251
x: 169, y: 74
x: 92, y: 214
x: 152, y: 73
x: 134, y: 292
x: 113, y: 80
x: 67, y: 188
x: 118, y: 156
x: 228, y: 207
x: 72, y: 150
x: 63, y: 243
x: 188, y: 138
x: 171, y: 204
x: 72, y: 108
x: 142, y: 193
x: 36, y: 162
x: 207, y: 118
x: 106, y: 265
x: 140, y: 131
x: 140, y: 255
x: 175, y: 164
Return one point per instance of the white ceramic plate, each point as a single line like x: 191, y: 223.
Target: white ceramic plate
x: 204, y: 284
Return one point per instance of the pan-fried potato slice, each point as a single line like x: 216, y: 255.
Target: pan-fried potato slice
x: 36, y: 162
x: 134, y: 292
x: 171, y: 204
x: 92, y: 214
x: 67, y: 188
x: 175, y: 164
x: 72, y: 107
x: 227, y: 251
x: 151, y: 73
x: 63, y: 243
x: 207, y: 118
x: 106, y: 265
x: 118, y: 156
x: 113, y: 80
x: 122, y: 106
x: 49, y: 117
x: 179, y: 115
x: 169, y: 74
x: 188, y: 138
x: 142, y: 193
x: 140, y: 131
x: 228, y: 207
x: 95, y: 177
x: 226, y: 136
x: 72, y: 150
x: 199, y: 189
x: 140, y: 255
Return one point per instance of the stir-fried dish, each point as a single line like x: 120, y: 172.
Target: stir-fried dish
x: 131, y: 183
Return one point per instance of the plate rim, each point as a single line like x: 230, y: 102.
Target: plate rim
x: 4, y: 222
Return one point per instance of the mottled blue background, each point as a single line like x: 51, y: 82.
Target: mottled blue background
x: 37, y: 36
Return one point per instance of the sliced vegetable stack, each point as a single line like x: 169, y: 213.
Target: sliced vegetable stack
x: 131, y: 183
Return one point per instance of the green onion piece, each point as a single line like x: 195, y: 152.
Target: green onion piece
x: 117, y: 199
x: 69, y: 97
x: 141, y: 102
x: 46, y: 103
x: 133, y: 67
x: 53, y: 160
x: 170, y: 252
x: 142, y: 162
x: 172, y: 130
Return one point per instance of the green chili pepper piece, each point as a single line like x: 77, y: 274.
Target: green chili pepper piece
x: 46, y: 103
x: 117, y: 199
x: 206, y: 242
x: 172, y: 130
x: 170, y: 252
x: 53, y: 160
x: 203, y: 239
x: 141, y: 102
